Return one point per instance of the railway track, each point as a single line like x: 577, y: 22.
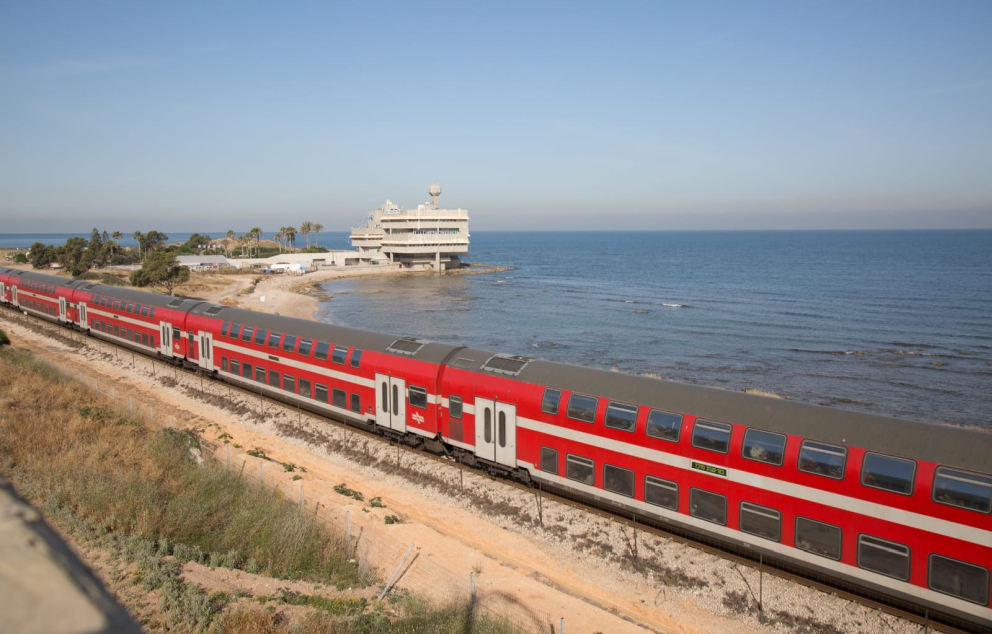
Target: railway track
x: 928, y: 622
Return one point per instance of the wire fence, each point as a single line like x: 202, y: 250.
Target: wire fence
x: 386, y: 565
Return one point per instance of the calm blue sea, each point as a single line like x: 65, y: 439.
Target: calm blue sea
x: 890, y: 322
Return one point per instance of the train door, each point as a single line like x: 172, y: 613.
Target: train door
x: 506, y: 434
x: 391, y: 402
x: 62, y: 310
x: 13, y: 293
x: 165, y: 340
x: 3, y: 293
x: 206, y: 350
x: 82, y: 315
x: 485, y: 438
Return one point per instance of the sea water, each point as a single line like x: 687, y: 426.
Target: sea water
x: 888, y: 322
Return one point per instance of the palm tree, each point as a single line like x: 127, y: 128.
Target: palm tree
x: 279, y: 236
x: 256, y: 234
x: 117, y: 235
x: 317, y: 228
x: 291, y: 237
x: 138, y: 238
x: 306, y: 228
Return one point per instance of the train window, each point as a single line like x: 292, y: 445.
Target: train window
x: 581, y: 407
x: 340, y: 398
x: 961, y: 488
x: 761, y: 521
x: 711, y: 436
x: 822, y: 459
x: 320, y: 351
x: 461, y: 362
x: 501, y: 429
x: 385, y: 397
x: 618, y: 480
x: 260, y: 374
x: 235, y: 331
x: 289, y: 383
x: 888, y: 473
x: 455, y: 407
x: 144, y: 338
x: 549, y: 460
x: 245, y: 368
x: 117, y: 331
x: 144, y: 311
x: 247, y: 333
x: 580, y: 469
x: 884, y: 557
x: 356, y: 358
x: 177, y: 334
x: 818, y: 538
x: 664, y: 425
x: 305, y: 345
x: 418, y: 397
x: 320, y: 392
x: 340, y: 354
x: 274, y: 378
x: 959, y: 579
x: 488, y: 426
x: 117, y: 304
x: 550, y: 403
x: 764, y: 446
x: 274, y: 339
x: 260, y: 337
x: 621, y: 416
x: 130, y: 307
x: 289, y: 343
x: 708, y: 506
x: 151, y: 313
x: 356, y: 403
x: 305, y: 388
x: 661, y: 492
x: 104, y: 301
x: 223, y: 329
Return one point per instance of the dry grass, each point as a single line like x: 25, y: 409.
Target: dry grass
x: 60, y: 442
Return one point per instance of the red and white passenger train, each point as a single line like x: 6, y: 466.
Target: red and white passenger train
x: 901, y: 508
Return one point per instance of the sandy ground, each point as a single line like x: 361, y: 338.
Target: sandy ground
x: 573, y: 564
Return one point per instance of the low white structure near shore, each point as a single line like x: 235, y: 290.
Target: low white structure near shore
x: 298, y: 261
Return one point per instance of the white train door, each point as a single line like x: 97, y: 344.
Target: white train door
x: 82, y: 315
x: 206, y: 350
x: 506, y: 434
x: 390, y: 402
x: 485, y: 433
x: 61, y: 309
x: 165, y: 338
x: 13, y: 293
x: 3, y: 293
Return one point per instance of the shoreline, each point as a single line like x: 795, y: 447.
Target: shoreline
x: 301, y: 296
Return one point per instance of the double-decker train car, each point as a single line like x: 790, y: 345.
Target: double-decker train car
x: 900, y: 508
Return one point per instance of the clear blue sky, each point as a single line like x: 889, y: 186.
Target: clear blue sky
x: 212, y: 115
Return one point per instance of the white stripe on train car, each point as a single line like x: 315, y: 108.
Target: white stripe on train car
x: 936, y: 525
x: 787, y: 551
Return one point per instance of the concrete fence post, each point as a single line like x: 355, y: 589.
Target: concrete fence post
x: 397, y: 572
x: 561, y: 628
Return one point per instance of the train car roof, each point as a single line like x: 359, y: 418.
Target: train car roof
x: 944, y: 444
x: 182, y: 304
x: 364, y: 339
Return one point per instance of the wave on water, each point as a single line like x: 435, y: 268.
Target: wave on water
x: 675, y: 305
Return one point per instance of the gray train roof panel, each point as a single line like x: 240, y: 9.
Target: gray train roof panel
x: 182, y: 304
x: 944, y: 444
x: 366, y: 340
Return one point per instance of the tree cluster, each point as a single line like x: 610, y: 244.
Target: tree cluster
x: 78, y: 256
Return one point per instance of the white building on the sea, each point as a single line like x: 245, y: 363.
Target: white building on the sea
x: 422, y: 238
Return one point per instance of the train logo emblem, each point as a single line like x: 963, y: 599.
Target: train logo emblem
x: 418, y: 418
